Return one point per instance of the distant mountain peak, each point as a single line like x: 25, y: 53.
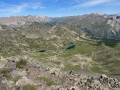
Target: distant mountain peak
x: 21, y: 20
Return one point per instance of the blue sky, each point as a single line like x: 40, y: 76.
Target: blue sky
x: 57, y: 8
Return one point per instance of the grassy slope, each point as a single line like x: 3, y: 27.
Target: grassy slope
x: 104, y: 53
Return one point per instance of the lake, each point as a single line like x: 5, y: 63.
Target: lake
x: 42, y: 51
x: 70, y: 47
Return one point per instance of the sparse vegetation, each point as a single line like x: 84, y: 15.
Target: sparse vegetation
x: 16, y: 79
x: 21, y: 64
x: 29, y: 87
x: 48, y: 81
x: 97, y: 69
x: 56, y: 62
x: 6, y: 74
x: 70, y: 67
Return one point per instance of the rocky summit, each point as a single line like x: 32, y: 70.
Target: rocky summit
x: 61, y: 53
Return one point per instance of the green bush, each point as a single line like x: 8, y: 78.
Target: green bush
x: 6, y: 74
x: 21, y: 64
x: 29, y: 87
x: 3, y: 72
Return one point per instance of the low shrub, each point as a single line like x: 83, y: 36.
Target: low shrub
x: 21, y: 64
x: 29, y: 87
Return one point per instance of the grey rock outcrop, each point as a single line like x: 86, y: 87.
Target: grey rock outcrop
x: 24, y: 81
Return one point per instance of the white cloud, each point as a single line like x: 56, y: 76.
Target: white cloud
x: 36, y: 6
x: 92, y: 3
x: 7, y: 10
x: 13, y: 8
x: 113, y: 4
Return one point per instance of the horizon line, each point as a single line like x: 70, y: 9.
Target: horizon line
x: 57, y: 16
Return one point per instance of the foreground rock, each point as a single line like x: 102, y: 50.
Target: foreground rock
x: 24, y: 81
x: 44, y: 77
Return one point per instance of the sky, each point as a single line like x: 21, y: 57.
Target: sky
x: 57, y: 8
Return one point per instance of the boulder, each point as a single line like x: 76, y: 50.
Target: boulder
x: 75, y: 88
x: 11, y: 64
x: 103, y: 76
x: 18, y: 73
x: 2, y: 64
x: 24, y: 81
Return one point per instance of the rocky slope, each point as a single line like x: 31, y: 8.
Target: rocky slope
x: 29, y: 74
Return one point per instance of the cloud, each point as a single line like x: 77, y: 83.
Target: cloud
x: 92, y: 3
x: 36, y: 6
x: 8, y: 10
x: 113, y: 4
x: 13, y: 8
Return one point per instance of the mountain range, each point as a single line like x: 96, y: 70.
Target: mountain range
x: 55, y: 48
x: 98, y: 25
x: 93, y: 37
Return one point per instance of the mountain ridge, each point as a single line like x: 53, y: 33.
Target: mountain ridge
x: 98, y: 25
